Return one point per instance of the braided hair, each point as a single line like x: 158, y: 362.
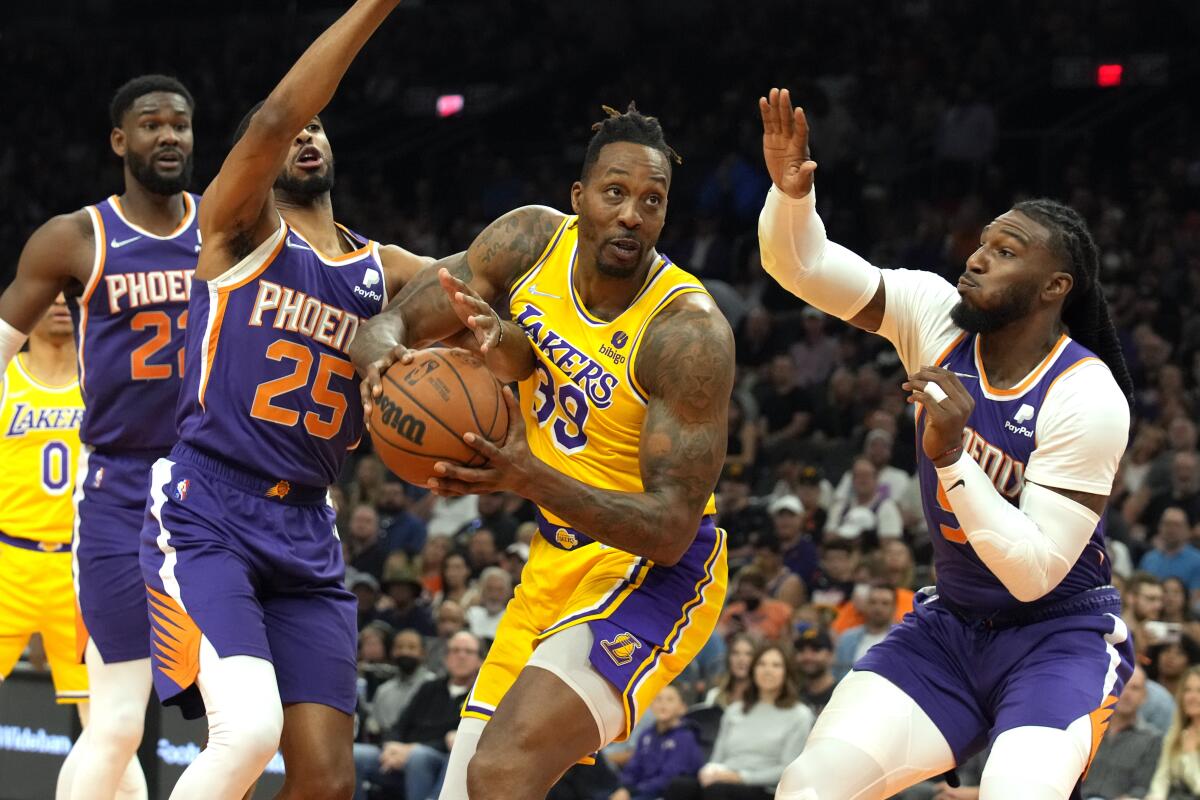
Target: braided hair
x: 632, y: 126
x: 1085, y: 312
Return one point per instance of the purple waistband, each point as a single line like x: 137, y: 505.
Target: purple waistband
x: 33, y: 544
x: 292, y: 494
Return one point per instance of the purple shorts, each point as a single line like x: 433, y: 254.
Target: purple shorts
x: 976, y: 679
x: 256, y: 567
x: 110, y: 506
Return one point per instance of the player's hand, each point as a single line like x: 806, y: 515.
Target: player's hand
x: 372, y: 374
x: 509, y: 467
x: 472, y: 310
x: 785, y: 144
x: 945, y: 417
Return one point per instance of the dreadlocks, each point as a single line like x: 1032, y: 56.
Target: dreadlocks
x: 632, y: 126
x: 1085, y: 312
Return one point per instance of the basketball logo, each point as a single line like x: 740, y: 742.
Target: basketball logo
x: 566, y: 540
x: 621, y: 648
x: 181, y: 489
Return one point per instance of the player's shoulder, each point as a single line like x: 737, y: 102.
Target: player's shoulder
x: 1087, y: 394
x: 72, y: 227
x: 689, y: 333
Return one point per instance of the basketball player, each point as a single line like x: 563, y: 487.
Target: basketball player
x: 251, y: 623
x: 40, y: 412
x: 1022, y: 416
x: 125, y: 265
x: 626, y: 368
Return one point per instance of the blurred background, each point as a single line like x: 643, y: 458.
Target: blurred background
x: 928, y: 119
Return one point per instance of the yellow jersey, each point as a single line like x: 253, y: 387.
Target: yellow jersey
x: 39, y: 445
x: 583, y: 405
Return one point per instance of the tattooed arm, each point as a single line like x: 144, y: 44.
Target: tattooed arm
x: 686, y: 365
x: 424, y: 313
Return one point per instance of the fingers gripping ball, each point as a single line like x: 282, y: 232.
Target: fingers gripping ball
x: 428, y: 405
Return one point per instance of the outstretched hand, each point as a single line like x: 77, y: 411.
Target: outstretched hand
x: 785, y: 144
x: 473, y: 311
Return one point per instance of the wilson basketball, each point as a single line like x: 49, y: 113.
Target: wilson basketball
x: 428, y: 405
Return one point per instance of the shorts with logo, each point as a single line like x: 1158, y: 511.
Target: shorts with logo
x: 37, y: 596
x: 253, y: 565
x: 977, y: 678
x: 648, y: 621
x: 110, y: 504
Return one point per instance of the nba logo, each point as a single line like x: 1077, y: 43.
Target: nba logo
x: 96, y: 481
x: 1025, y: 412
x: 619, y: 339
x: 621, y: 648
x: 181, y: 489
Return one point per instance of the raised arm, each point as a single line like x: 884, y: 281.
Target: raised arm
x: 237, y: 213
x: 59, y: 253
x: 791, y: 235
x: 424, y: 312
x: 686, y: 365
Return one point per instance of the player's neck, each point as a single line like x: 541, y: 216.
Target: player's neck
x: 608, y: 297
x: 313, y: 219
x: 51, y: 362
x: 1011, y: 353
x: 158, y: 213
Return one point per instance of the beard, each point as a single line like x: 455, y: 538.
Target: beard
x: 1014, y: 303
x: 145, y: 173
x: 307, y: 188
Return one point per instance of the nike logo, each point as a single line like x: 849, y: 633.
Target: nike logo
x: 534, y: 290
x: 114, y: 244
x: 292, y: 244
x: 955, y: 485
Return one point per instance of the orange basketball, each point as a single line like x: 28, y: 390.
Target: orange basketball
x: 428, y: 405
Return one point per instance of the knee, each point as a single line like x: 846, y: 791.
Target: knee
x: 249, y: 737
x: 327, y: 776
x: 120, y: 726
x: 330, y: 786
x: 799, y: 782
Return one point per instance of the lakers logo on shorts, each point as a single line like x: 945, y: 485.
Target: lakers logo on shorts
x: 279, y: 490
x: 566, y: 540
x: 621, y: 648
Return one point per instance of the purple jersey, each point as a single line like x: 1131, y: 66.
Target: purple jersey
x: 1000, y: 435
x: 273, y: 389
x: 129, y: 326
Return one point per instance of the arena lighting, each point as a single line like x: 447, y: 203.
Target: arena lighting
x: 450, y: 104
x: 1109, y: 75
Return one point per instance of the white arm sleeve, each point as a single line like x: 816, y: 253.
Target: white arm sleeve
x: 11, y: 341
x: 1082, y: 429
x: 1029, y: 549
x: 795, y: 252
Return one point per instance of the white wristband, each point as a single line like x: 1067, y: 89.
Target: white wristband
x: 11, y: 341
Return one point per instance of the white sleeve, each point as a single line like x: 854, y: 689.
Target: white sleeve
x: 916, y: 316
x: 1082, y: 429
x: 11, y: 341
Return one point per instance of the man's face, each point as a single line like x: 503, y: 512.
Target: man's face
x: 155, y: 140
x: 462, y: 657
x: 392, y: 497
x: 450, y: 619
x: 880, y: 608
x: 308, y: 170
x: 1134, y: 693
x: 408, y: 643
x: 863, y: 477
x: 622, y: 207
x: 1148, y: 602
x: 668, y: 706
x: 812, y: 662
x: 787, y: 525
x: 364, y: 524
x: 1173, y: 527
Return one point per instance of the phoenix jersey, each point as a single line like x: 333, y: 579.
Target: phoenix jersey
x: 39, y: 444
x: 1063, y: 426
x: 129, y: 326
x: 583, y: 397
x: 273, y: 389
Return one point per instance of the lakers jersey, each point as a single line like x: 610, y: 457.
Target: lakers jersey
x: 273, y: 389
x: 583, y: 394
x: 129, y: 325
x: 39, y: 443
x: 1001, y: 435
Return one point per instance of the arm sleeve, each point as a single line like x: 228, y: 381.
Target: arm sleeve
x: 11, y: 341
x: 1082, y: 430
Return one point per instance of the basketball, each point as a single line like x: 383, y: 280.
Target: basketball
x: 428, y: 405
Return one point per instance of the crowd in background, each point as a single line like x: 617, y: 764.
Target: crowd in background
x: 927, y: 122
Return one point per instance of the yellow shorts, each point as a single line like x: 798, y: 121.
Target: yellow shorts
x: 648, y: 621
x: 37, y: 595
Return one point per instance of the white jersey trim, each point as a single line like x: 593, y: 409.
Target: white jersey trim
x: 189, y: 215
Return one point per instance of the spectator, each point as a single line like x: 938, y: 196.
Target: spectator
x: 457, y: 585
x: 402, y: 531
x: 416, y: 750
x: 737, y: 512
x: 1144, y: 597
x: 481, y: 551
x: 368, y: 551
x: 814, y: 665
x: 513, y: 560
x: 834, y: 581
x: 1178, y: 772
x: 450, y: 618
x: 433, y: 554
x: 759, y: 736
x: 495, y: 590
x: 366, y: 589
x: 1170, y: 660
x: 368, y: 481
x: 866, y: 514
x: 1183, y: 492
x: 811, y: 489
x: 450, y: 514
x: 897, y: 563
x: 782, y: 584
x: 1172, y: 555
x: 815, y: 354
x: 784, y: 407
x: 1125, y: 761
x: 799, y: 551
x: 494, y: 517
x: 741, y: 449
x: 393, y: 695
x: 665, y: 752
x: 732, y: 684
x: 401, y: 605
x: 752, y: 611
x: 879, y: 617
x: 891, y: 482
